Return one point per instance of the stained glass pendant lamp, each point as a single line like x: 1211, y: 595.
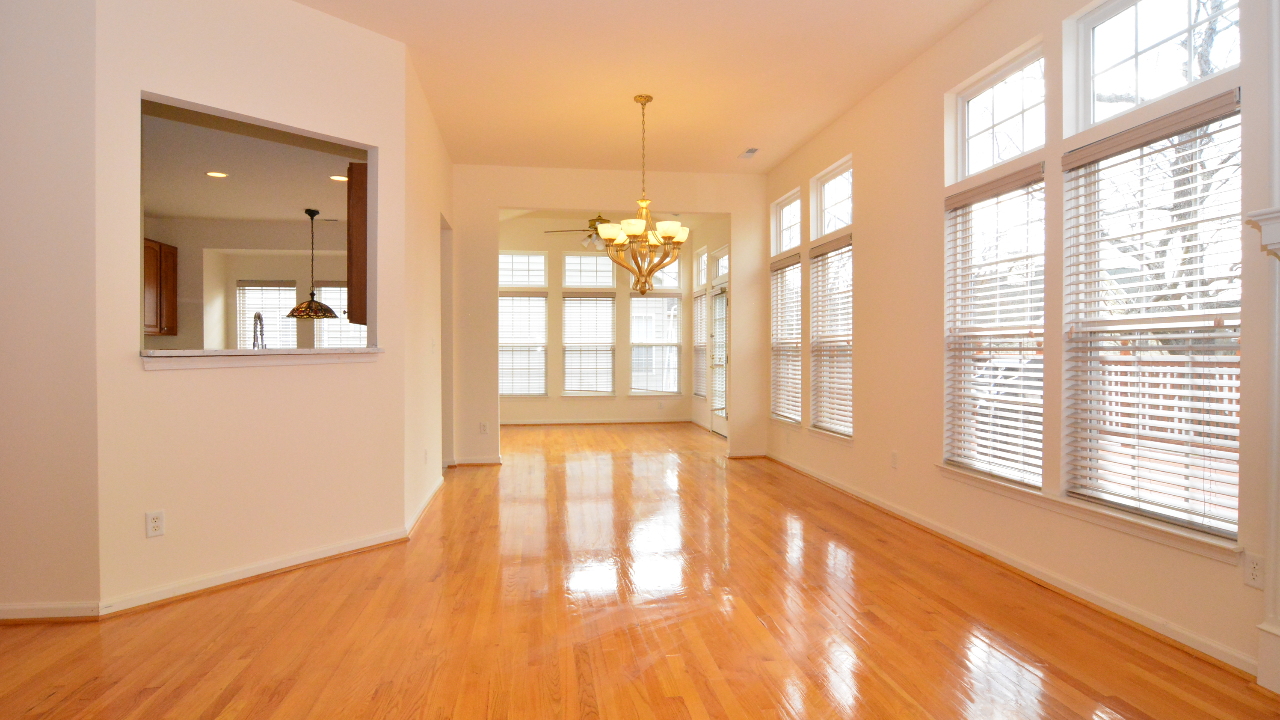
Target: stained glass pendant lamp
x: 312, y: 309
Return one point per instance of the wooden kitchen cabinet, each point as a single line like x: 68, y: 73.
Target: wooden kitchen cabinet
x: 159, y: 288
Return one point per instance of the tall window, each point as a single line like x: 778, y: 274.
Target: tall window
x: 836, y: 200
x: 1153, y: 293
x: 831, y: 344
x: 522, y: 270
x: 591, y: 271
x: 1150, y: 48
x: 1006, y: 119
x: 272, y: 299
x: 588, y: 344
x: 784, y: 399
x: 337, y: 332
x: 786, y: 225
x: 522, y: 345
x: 701, y: 272
x: 995, y: 328
x: 700, y: 345
x: 655, y: 344
x: 719, y: 353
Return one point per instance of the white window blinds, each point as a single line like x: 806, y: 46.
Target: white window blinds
x: 588, y: 344
x: 831, y: 343
x: 589, y: 271
x: 273, y: 299
x: 522, y: 345
x: 655, y: 344
x: 337, y: 332
x: 995, y: 333
x: 522, y: 270
x: 784, y: 387
x: 700, y: 345
x: 1153, y: 283
x: 719, y: 352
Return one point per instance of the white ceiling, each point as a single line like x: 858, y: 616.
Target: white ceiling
x: 548, y: 83
x: 265, y: 180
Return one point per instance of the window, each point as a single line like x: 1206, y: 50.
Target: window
x: 786, y: 225
x: 588, y: 344
x: 655, y: 344
x: 700, y: 345
x: 995, y: 329
x: 831, y: 345
x: 836, y: 201
x: 273, y: 299
x: 1153, y: 302
x: 337, y: 332
x: 522, y: 345
x: 668, y: 277
x: 522, y: 270
x: 588, y: 271
x: 784, y: 387
x: 1004, y: 120
x: 1153, y: 47
x: 702, y: 268
x: 722, y: 266
x: 719, y: 352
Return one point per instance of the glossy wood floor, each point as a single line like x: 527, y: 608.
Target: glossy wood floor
x: 625, y: 572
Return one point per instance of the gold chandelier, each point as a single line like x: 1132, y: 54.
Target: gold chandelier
x: 639, y: 244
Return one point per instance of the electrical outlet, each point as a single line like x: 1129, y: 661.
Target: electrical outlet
x: 1254, y: 573
x: 484, y: 428
x: 155, y: 524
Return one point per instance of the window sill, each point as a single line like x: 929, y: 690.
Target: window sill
x: 586, y: 394
x: 654, y: 393
x: 831, y: 235
x: 204, y: 359
x: 830, y: 436
x: 1214, y: 548
x: 531, y: 396
x: 791, y: 423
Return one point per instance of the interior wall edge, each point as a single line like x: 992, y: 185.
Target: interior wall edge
x: 1148, y: 620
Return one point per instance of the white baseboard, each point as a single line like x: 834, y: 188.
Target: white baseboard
x: 480, y: 460
x: 164, y: 592
x: 412, y: 520
x: 28, y: 611
x: 1187, y: 637
x: 588, y: 421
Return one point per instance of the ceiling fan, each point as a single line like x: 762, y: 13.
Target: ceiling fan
x: 593, y: 237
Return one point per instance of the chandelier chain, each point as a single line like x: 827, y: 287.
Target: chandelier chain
x: 643, y: 151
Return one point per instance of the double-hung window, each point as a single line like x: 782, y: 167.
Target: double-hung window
x: 835, y: 198
x: 588, y: 271
x: 655, y: 344
x: 1140, y: 51
x: 261, y: 310
x: 337, y: 332
x: 1153, y: 311
x: 700, y: 344
x: 831, y: 335
x: 995, y: 327
x: 522, y: 270
x: 786, y: 223
x: 588, y: 342
x: 522, y: 343
x: 1004, y: 119
x: 785, y: 337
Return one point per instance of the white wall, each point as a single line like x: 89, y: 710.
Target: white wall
x: 528, y: 233
x: 48, y: 425
x: 481, y: 191
x: 897, y: 138
x: 245, y: 488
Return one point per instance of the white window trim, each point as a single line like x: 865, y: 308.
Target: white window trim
x: 775, y: 213
x: 704, y: 252
x: 546, y: 267
x: 1003, y: 69
x: 1083, y: 99
x: 679, y: 345
x: 564, y: 268
x: 845, y: 164
x: 713, y: 265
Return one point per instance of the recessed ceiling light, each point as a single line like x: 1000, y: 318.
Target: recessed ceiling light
x: 339, y: 178
x: 216, y: 174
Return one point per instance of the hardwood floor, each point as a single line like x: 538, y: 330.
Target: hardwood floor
x: 625, y: 572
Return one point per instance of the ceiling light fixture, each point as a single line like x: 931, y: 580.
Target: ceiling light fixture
x: 638, y: 244
x: 312, y: 309
x: 339, y: 178
x: 216, y: 174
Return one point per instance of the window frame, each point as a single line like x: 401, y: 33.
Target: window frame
x: 775, y: 213
x: 1083, y: 100
x: 546, y: 337
x: 678, y: 344
x: 1004, y: 70
x: 546, y: 269
x: 819, y: 255
x: 564, y: 270
x: 566, y: 347
x: 817, y: 205
x: 241, y: 285
x: 320, y: 325
x: 788, y: 263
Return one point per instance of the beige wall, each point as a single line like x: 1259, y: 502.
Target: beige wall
x: 898, y: 140
x: 48, y: 425
x: 481, y: 191
x: 524, y: 234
